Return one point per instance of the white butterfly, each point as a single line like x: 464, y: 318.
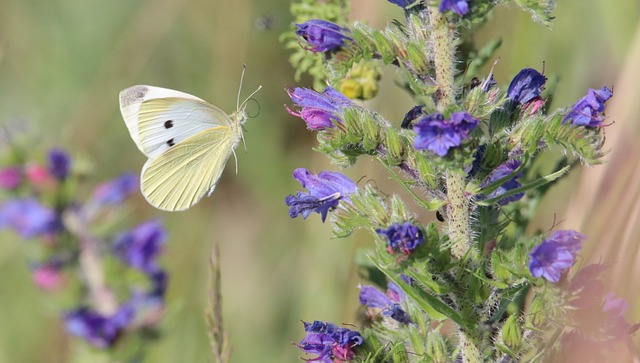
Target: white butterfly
x: 187, y: 140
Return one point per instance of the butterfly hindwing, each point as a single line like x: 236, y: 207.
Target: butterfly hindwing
x: 159, y: 118
x: 180, y: 176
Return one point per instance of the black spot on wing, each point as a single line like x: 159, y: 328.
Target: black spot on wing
x: 168, y: 124
x: 170, y: 142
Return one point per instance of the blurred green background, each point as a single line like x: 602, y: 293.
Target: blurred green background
x: 62, y: 64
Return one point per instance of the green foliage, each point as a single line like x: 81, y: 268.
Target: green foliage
x: 474, y: 274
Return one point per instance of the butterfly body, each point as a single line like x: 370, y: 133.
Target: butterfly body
x: 187, y: 140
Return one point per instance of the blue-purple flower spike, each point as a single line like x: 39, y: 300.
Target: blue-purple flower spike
x: 588, y: 111
x: 437, y: 134
x: 99, y: 330
x: 58, y: 164
x: 325, y: 192
x: 321, y: 35
x: 374, y: 298
x: 116, y: 190
x: 526, y: 86
x: 404, y: 237
x: 28, y: 217
x: 141, y: 246
x: 555, y: 254
x: 329, y: 342
x: 319, y: 110
x: 460, y: 7
x: 499, y: 173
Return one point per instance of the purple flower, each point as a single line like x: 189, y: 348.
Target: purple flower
x: 405, y: 3
x: 330, y: 342
x: 28, y: 217
x: 459, y: 7
x: 319, y: 110
x: 140, y: 247
x: 488, y: 83
x: 499, y: 173
x: 325, y: 191
x: 99, y: 330
x: 116, y: 190
x: 555, y: 254
x: 159, y: 285
x: 58, y: 164
x: 588, y: 110
x: 374, y: 298
x: 437, y: 134
x: 526, y: 86
x: 10, y: 177
x: 394, y: 292
x: 413, y: 114
x: 322, y: 35
x: 402, y: 237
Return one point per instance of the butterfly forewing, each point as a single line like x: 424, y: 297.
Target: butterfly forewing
x: 166, y: 122
x: 158, y: 118
x: 182, y: 175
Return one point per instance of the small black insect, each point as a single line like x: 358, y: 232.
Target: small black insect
x: 170, y: 142
x: 168, y: 124
x: 439, y: 216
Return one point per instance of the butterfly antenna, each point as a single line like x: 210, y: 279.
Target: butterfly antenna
x: 238, y: 104
x: 251, y: 95
x: 244, y: 68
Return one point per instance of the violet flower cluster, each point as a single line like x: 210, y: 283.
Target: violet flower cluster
x: 98, y: 317
x: 467, y: 155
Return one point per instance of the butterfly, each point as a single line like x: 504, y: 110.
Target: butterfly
x: 188, y: 142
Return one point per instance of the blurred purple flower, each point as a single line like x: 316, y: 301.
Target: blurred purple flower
x: 325, y: 191
x: 318, y: 110
x: 116, y: 190
x: 330, y: 342
x: 459, y: 7
x: 27, y: 217
x: 58, y: 163
x: 158, y: 285
x: 48, y: 276
x: 402, y: 237
x: 10, y: 177
x: 141, y: 246
x: 500, y: 172
x: 526, y: 86
x: 394, y: 292
x: 99, y: 330
x: 374, y: 298
x: 405, y: 3
x: 555, y: 254
x: 588, y: 110
x: 437, y: 134
x: 321, y: 35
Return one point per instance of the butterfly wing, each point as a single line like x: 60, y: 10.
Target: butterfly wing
x: 159, y: 118
x: 179, y: 177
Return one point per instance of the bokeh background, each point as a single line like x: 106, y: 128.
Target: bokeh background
x: 62, y: 64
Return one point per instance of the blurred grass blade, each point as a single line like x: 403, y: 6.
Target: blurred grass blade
x: 217, y: 336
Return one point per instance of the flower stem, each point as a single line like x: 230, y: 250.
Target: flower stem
x: 101, y: 296
x: 458, y: 215
x: 442, y: 37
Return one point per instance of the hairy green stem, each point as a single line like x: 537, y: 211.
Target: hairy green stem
x: 458, y: 215
x: 442, y: 37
